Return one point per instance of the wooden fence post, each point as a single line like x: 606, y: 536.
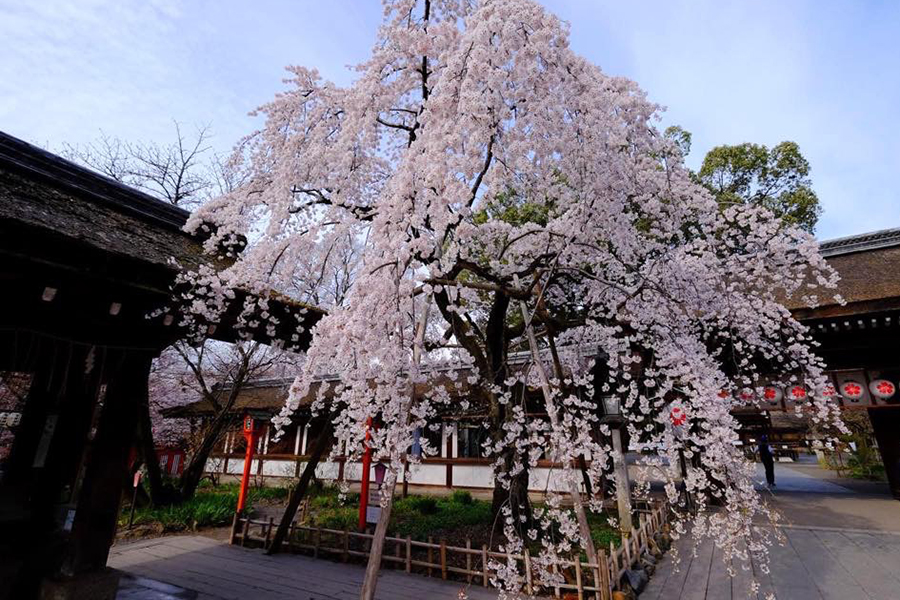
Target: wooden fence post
x: 234, y: 524
x: 443, y: 559
x: 408, y: 555
x: 317, y: 538
x: 346, y: 554
x: 397, y: 551
x: 603, y: 575
x: 484, y: 565
x: 469, y: 560
x: 430, y: 554
x: 291, y: 533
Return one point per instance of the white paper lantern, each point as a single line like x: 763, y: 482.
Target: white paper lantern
x: 796, y: 393
x: 852, y: 390
x: 882, y: 389
x: 772, y: 394
x: 746, y: 395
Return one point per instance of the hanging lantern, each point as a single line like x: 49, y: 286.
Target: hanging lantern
x: 882, y: 389
x: 852, y: 390
x: 772, y: 394
x: 796, y: 393
x: 746, y: 395
x: 678, y: 416
x: 723, y: 394
x: 828, y: 391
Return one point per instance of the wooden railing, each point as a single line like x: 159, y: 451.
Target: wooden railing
x: 470, y: 564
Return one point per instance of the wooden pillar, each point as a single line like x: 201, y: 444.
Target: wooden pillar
x: 94, y: 524
x: 886, y: 425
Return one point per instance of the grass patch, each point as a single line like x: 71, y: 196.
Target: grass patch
x: 210, y: 507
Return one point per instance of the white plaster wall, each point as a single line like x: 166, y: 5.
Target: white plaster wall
x: 214, y: 465
x: 279, y: 468
x: 326, y: 470
x: 236, y: 466
x: 427, y: 475
x: 475, y: 476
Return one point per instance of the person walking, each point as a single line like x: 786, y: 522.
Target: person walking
x: 768, y: 461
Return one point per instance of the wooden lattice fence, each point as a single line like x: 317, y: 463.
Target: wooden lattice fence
x: 435, y: 558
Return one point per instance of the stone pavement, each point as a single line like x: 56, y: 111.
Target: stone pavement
x: 838, y: 544
x: 811, y: 564
x: 217, y: 571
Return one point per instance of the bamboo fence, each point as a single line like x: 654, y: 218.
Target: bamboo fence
x: 471, y: 564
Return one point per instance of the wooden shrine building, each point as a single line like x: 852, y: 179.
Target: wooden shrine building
x: 83, y: 261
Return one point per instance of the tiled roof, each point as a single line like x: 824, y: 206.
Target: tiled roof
x: 873, y: 240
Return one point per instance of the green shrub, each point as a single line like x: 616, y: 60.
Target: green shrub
x: 461, y: 497
x: 424, y: 505
x: 337, y: 518
x: 421, y: 516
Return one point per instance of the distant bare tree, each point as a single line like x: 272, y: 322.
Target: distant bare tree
x: 179, y: 172
x: 214, y: 372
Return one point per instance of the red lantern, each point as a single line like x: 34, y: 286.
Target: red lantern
x: 746, y: 395
x: 882, y: 389
x: 852, y: 390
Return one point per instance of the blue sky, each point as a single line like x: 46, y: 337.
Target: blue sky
x: 825, y: 74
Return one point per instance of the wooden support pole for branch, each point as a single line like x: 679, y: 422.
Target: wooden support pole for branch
x: 484, y: 565
x: 268, y: 533
x: 234, y: 526
x: 298, y: 494
x: 578, y: 584
x: 443, y: 559
x: 469, y: 560
x: 527, y: 559
x: 583, y: 526
x: 374, y: 564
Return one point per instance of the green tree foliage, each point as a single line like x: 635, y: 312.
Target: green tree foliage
x: 776, y: 178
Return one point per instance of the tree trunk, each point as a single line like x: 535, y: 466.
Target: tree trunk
x: 193, y: 473
x: 516, y: 496
x: 321, y: 444
x: 158, y: 495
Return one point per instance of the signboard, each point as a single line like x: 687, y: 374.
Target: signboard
x: 373, y: 506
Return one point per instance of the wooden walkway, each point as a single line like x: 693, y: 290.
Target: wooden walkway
x: 217, y: 571
x: 813, y: 564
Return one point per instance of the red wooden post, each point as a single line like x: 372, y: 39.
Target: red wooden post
x: 364, y: 489
x: 250, y: 434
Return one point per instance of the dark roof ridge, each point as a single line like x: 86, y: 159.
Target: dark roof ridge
x: 24, y: 157
x: 872, y: 240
